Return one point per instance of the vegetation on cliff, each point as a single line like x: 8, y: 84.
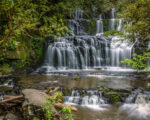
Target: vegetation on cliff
x: 24, y: 25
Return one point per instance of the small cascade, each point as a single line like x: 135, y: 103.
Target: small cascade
x: 6, y: 85
x: 87, y: 98
x: 120, y: 50
x: 137, y: 105
x: 112, y: 20
x: 148, y: 60
x: 115, y: 24
x: 100, y: 25
x: 76, y: 23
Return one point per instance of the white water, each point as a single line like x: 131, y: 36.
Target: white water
x: 120, y: 50
x: 82, y: 51
x: 93, y: 99
x: 137, y: 105
x: 100, y: 28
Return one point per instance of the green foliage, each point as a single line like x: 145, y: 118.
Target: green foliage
x: 114, y: 97
x: 29, y: 22
x: 137, y: 14
x: 56, y: 98
x: 48, y: 108
x: 11, y: 45
x: 138, y: 62
x: 67, y: 113
x: 113, y: 33
x: 148, y: 84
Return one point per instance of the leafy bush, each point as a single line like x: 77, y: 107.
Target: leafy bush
x: 11, y: 45
x: 139, y: 62
x: 48, y: 109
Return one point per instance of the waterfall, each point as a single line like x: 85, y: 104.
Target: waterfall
x: 115, y: 24
x: 112, y: 20
x: 86, y: 98
x: 83, y: 51
x: 75, y: 24
x: 99, y: 25
x: 148, y: 60
x: 78, y: 52
x: 120, y: 50
x: 137, y: 105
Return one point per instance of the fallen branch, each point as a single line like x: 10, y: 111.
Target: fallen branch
x: 50, y: 91
x: 8, y: 98
x: 60, y: 105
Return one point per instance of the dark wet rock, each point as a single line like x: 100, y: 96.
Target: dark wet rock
x: 31, y: 111
x: 5, y: 89
x: 66, y: 91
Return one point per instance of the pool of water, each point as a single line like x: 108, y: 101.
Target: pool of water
x: 90, y: 79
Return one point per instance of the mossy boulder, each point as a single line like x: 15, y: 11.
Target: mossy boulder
x: 66, y: 91
x: 114, y: 95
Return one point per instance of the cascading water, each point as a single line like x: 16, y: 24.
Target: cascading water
x: 75, y: 24
x: 78, y: 52
x: 115, y: 24
x: 137, y: 105
x: 87, y: 98
x: 100, y: 25
x: 82, y: 51
x: 120, y: 50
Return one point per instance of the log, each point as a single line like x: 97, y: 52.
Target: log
x: 60, y: 105
x: 8, y: 98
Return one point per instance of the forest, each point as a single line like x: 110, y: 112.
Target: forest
x: 74, y: 60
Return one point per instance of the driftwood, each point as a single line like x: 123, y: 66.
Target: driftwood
x: 8, y: 98
x: 60, y: 105
x: 51, y: 91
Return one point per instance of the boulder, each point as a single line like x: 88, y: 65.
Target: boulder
x: 11, y: 116
x: 34, y: 97
x: 1, y: 117
x: 34, y: 101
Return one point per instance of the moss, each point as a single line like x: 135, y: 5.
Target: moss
x: 5, y: 89
x: 4, y: 69
x: 113, y: 32
x: 113, y: 97
x: 106, y: 24
x: 77, y: 78
x: 66, y: 91
x: 90, y: 27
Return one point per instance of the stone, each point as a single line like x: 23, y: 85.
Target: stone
x: 11, y: 116
x: 1, y: 117
x: 34, y: 97
x: 33, y: 104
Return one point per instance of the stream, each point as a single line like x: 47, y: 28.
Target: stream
x: 88, y: 70
x: 93, y: 105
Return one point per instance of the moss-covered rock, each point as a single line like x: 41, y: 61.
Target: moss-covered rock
x: 66, y: 91
x: 114, y: 95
